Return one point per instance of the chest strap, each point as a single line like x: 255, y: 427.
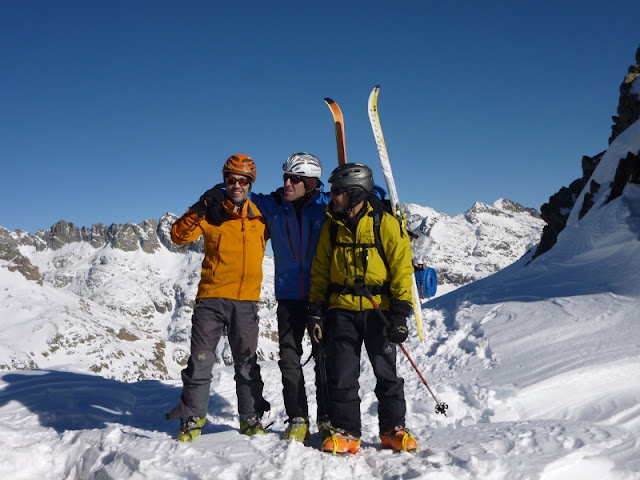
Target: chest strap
x: 359, y: 290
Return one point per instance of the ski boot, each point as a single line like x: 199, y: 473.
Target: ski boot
x: 252, y: 426
x: 297, y: 430
x: 190, y: 429
x: 339, y: 442
x: 398, y: 439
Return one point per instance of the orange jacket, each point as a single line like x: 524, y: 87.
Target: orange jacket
x: 233, y: 251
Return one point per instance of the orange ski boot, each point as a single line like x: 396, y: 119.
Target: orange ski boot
x: 340, y: 443
x: 398, y: 439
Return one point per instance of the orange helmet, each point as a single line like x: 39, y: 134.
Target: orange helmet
x: 239, y: 164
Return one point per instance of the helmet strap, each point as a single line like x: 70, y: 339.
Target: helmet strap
x: 310, y: 183
x: 356, y: 195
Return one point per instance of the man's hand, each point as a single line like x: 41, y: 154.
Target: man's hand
x: 315, y: 319
x: 210, y: 205
x: 314, y: 327
x: 398, y: 332
x: 399, y: 310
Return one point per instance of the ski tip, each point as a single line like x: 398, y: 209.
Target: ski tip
x: 374, y: 94
x: 329, y: 101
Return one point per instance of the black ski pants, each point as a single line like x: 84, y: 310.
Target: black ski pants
x: 292, y: 318
x: 344, y: 333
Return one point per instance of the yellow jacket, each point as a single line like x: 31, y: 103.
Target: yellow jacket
x: 342, y: 265
x: 233, y: 251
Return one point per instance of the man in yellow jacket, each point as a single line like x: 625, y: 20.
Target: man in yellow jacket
x: 362, y: 263
x: 235, y: 234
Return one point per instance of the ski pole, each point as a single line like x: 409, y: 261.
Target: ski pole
x: 322, y: 371
x: 324, y: 392
x: 441, y: 407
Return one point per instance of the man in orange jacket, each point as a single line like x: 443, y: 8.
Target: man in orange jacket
x: 235, y: 234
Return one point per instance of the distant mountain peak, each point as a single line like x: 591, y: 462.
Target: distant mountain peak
x: 475, y: 244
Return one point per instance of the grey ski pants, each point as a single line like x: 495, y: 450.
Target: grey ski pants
x: 210, y: 317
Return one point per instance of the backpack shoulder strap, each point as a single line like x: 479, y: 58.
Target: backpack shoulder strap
x: 333, y: 233
x: 377, y: 213
x: 377, y: 220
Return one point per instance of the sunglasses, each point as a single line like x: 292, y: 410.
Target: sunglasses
x: 231, y: 181
x: 294, y: 178
x: 337, y: 190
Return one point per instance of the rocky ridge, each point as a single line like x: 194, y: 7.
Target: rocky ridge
x: 556, y: 212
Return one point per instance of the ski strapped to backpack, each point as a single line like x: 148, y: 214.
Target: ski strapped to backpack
x: 376, y: 127
x: 338, y: 122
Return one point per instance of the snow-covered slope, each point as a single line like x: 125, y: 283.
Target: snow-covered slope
x: 124, y: 315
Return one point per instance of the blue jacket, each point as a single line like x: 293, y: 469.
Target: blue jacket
x: 293, y: 240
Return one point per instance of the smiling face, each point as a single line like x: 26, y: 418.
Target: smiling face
x: 238, y: 187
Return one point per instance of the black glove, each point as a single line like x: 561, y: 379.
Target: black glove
x: 210, y: 205
x: 315, y: 318
x: 199, y: 207
x: 399, y: 310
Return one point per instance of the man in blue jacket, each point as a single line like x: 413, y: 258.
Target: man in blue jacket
x: 295, y: 214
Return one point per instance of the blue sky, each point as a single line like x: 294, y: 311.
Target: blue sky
x: 119, y: 111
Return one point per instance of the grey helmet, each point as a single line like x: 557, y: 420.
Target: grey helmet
x: 303, y: 164
x: 352, y: 175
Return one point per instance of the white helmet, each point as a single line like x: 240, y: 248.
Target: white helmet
x: 303, y: 164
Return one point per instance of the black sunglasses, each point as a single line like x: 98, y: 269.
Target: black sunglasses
x: 294, y: 178
x: 337, y: 190
x: 242, y: 181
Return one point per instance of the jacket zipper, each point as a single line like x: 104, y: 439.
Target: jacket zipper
x: 291, y: 247
x: 244, y: 256
x: 310, y: 235
x: 300, y: 262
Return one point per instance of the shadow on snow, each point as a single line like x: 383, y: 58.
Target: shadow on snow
x: 76, y: 401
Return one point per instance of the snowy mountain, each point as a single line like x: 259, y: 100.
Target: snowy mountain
x: 475, y: 244
x: 128, y: 286
x: 125, y: 312
x: 538, y: 362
